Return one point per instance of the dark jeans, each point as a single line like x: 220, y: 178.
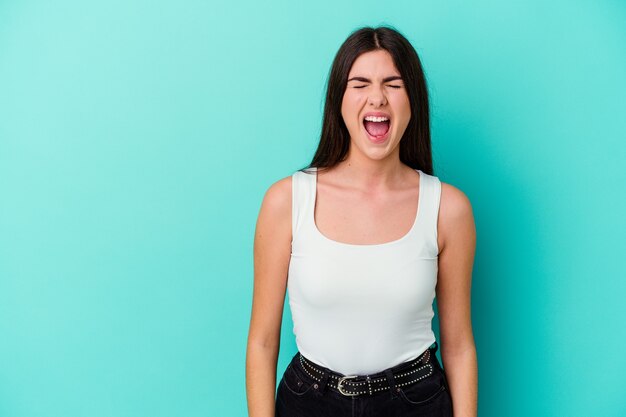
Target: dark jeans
x: 299, y: 395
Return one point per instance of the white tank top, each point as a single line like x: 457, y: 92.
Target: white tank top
x: 359, y: 309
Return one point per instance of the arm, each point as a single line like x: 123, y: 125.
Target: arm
x: 272, y: 251
x: 457, y: 236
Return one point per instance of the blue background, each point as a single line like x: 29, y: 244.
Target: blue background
x: 137, y: 140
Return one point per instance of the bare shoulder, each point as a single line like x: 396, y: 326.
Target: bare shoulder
x: 454, y: 203
x: 456, y: 218
x: 275, y: 213
x: 277, y: 198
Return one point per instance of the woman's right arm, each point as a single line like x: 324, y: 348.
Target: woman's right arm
x: 272, y: 251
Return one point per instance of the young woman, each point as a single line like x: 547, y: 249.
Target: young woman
x: 366, y: 236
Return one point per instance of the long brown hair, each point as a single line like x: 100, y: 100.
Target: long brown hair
x: 415, y: 148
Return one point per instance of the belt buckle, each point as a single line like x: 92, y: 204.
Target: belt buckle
x: 339, y: 386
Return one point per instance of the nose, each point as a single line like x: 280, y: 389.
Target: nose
x: 377, y: 98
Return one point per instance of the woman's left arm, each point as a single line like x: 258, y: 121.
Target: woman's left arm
x: 457, y: 243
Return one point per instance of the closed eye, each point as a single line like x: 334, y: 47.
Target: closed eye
x: 392, y: 86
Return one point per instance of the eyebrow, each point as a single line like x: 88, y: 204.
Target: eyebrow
x: 367, y: 80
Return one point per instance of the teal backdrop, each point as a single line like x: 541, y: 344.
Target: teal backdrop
x: 137, y: 139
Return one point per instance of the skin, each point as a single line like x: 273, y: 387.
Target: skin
x: 353, y: 205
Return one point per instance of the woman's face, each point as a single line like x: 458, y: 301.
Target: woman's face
x: 375, y: 87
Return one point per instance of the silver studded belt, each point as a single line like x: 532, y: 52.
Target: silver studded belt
x: 353, y: 385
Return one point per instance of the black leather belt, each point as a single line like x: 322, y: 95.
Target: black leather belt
x: 390, y: 379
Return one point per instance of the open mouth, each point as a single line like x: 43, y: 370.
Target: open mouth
x: 377, y: 126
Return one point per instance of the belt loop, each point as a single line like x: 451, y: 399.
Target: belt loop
x: 392, y: 383
x: 323, y: 381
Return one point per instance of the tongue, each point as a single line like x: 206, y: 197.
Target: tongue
x: 376, y: 128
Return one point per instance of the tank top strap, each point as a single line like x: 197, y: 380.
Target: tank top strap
x: 429, y: 207
x: 301, y: 183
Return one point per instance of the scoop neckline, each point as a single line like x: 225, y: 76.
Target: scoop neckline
x: 374, y: 245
